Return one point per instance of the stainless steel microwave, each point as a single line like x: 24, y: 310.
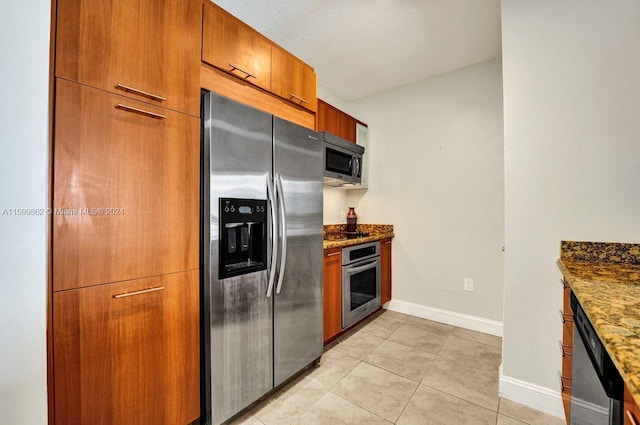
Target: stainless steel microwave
x: 342, y: 161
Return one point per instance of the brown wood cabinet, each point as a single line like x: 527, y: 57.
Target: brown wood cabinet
x: 385, y: 270
x: 126, y: 189
x: 145, y: 49
x: 631, y: 409
x: 128, y: 353
x: 234, y: 47
x: 566, y: 348
x: 332, y: 293
x: 224, y: 84
x: 334, y: 121
x: 293, y: 79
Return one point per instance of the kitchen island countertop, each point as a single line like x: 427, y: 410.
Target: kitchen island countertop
x: 605, y: 277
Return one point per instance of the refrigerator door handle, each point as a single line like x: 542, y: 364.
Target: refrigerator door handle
x: 283, y: 226
x: 274, y: 235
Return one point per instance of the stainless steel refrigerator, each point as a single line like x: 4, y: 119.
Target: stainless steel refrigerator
x: 261, y: 254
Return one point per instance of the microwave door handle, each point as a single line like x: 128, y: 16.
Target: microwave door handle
x: 274, y: 235
x: 358, y: 269
x: 357, y: 167
x: 283, y: 226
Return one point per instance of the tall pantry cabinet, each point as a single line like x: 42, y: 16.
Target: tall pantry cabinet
x: 124, y: 307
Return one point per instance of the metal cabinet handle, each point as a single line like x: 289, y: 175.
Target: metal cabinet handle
x: 566, y: 317
x: 140, y: 92
x: 334, y: 253
x: 562, y: 385
x: 387, y: 243
x: 274, y: 235
x: 234, y: 68
x: 283, y: 225
x: 564, y: 283
x: 562, y: 347
x: 141, y: 111
x: 301, y: 100
x: 140, y: 292
x: 631, y: 417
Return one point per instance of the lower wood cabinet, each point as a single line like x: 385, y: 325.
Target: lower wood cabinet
x: 566, y: 348
x: 128, y: 353
x: 631, y: 409
x: 385, y: 270
x: 332, y: 292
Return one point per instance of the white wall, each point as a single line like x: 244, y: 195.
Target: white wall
x: 572, y: 159
x: 436, y: 174
x: 24, y: 49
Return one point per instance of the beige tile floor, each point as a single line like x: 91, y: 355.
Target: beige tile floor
x: 399, y: 369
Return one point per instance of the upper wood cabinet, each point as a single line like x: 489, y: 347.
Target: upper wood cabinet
x: 293, y: 79
x: 126, y: 189
x: 334, y: 121
x: 145, y: 49
x: 234, y: 47
x: 128, y: 353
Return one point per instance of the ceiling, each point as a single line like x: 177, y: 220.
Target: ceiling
x: 361, y: 47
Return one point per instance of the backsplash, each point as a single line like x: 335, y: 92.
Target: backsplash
x: 620, y: 253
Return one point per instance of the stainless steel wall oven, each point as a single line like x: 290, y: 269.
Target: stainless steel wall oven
x: 360, y: 281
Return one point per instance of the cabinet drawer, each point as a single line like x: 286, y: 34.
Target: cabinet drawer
x: 127, y: 353
x: 126, y: 189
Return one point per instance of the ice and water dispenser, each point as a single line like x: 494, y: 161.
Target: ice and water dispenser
x: 243, y: 236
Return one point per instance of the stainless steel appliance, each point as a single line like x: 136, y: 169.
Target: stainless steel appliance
x: 360, y: 281
x: 261, y: 254
x: 342, y: 161
x: 596, y: 386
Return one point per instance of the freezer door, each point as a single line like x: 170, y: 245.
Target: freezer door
x: 298, y: 305
x: 237, y: 315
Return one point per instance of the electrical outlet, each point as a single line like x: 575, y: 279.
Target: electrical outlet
x: 468, y: 284
x: 343, y: 217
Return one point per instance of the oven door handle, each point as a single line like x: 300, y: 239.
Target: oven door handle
x: 354, y: 270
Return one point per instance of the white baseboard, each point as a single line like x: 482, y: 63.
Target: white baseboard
x: 466, y: 321
x: 540, y: 398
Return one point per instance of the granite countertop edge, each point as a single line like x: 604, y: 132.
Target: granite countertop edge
x: 609, y: 293
x: 356, y: 241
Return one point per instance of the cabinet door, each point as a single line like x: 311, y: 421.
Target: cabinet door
x: 566, y: 350
x: 631, y: 409
x: 327, y: 118
x: 126, y: 189
x: 385, y: 270
x: 133, y: 46
x: 332, y: 292
x: 347, y: 127
x: 127, y: 353
x: 293, y: 79
x: 232, y: 46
